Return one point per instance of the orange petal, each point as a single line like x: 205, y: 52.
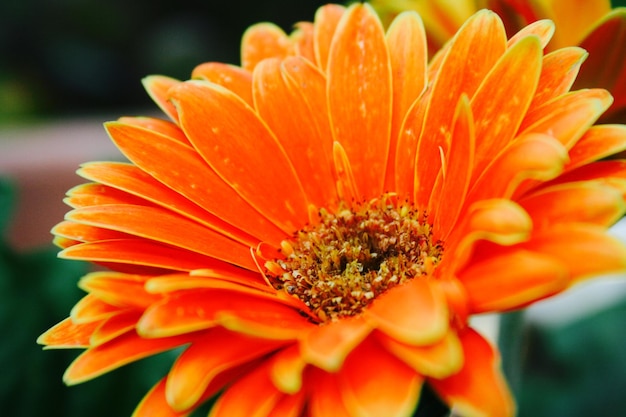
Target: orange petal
x: 567, y: 117
x: 478, y: 45
x: 188, y: 311
x: 227, y: 277
x: 543, y: 29
x: 326, y: 20
x: 158, y: 87
x: 114, y: 326
x: 558, y: 72
x: 438, y: 360
x: 84, y: 233
x: 90, y: 308
x: 154, y: 404
x: 375, y: 383
x: 414, y: 313
x: 122, y: 290
x: 598, y: 142
x: 498, y: 220
x: 216, y: 351
x: 502, y: 99
x: 448, y: 202
x: 236, y: 79
x: 68, y: 335
x: 325, y: 397
x: 261, y: 41
x: 479, y: 388
x: 408, y: 54
x: 258, y: 391
x: 346, y: 183
x: 287, y: 369
x: 238, y: 146
x: 360, y: 96
x: 132, y: 180
x: 97, y: 195
x: 327, y: 346
x: 533, y: 156
x: 118, y: 352
x: 138, y: 252
x: 163, y: 127
x: 283, y: 103
x: 279, y: 324
x: 302, y: 39
x: 587, y: 250
x: 164, y: 227
x: 290, y: 405
x: 583, y: 202
x: 180, y: 168
x: 512, y: 279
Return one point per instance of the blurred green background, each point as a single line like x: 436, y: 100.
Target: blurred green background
x: 72, y: 58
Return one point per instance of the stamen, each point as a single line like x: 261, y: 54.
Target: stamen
x: 350, y: 257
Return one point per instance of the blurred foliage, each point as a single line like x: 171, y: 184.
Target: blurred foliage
x: 76, y: 56
x: 578, y: 369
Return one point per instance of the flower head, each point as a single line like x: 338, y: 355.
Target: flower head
x: 591, y: 24
x: 316, y: 226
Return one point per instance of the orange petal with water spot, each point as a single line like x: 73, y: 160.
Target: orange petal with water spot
x: 283, y: 103
x: 326, y: 20
x: 360, y: 96
x: 558, y: 72
x: 180, y: 168
x: 414, y: 313
x: 164, y: 227
x: 139, y: 252
x: 479, y: 388
x: 392, y: 390
x: 479, y: 44
x: 408, y: 54
x: 136, y: 182
x: 236, y: 79
x: 236, y: 143
x: 502, y: 99
x: 459, y: 162
x: 163, y: 127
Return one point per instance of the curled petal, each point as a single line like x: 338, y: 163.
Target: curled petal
x: 393, y: 390
x: 327, y: 346
x: 414, y: 313
x: 479, y: 389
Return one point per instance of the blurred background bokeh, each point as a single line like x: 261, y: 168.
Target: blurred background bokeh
x: 66, y: 66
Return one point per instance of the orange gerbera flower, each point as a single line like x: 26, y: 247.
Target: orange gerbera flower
x: 316, y: 227
x: 590, y: 24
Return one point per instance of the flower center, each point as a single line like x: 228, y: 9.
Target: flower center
x: 350, y: 257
